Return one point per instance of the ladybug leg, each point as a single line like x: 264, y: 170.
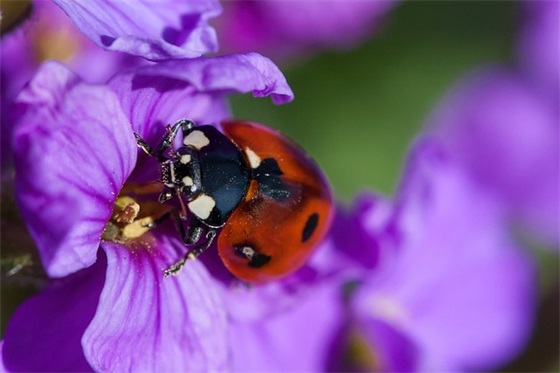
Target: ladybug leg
x: 165, y: 195
x: 184, y: 124
x: 192, y: 233
x: 210, y: 236
x: 142, y: 144
x: 191, y: 254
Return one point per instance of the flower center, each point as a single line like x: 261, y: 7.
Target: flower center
x: 55, y: 40
x: 360, y: 353
x: 133, y: 216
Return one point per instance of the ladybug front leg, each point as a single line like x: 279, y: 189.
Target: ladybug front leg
x: 184, y: 124
x: 142, y: 144
x: 192, y: 233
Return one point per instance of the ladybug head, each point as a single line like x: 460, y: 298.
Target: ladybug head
x: 180, y: 173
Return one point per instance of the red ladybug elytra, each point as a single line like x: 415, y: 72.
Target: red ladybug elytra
x: 252, y: 187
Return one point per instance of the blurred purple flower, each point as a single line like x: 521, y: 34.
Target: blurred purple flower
x: 76, y: 157
x: 282, y: 29
x: 503, y: 125
x: 153, y: 30
x: 539, y: 46
x: 452, y: 292
x: 49, y: 34
x: 495, y: 124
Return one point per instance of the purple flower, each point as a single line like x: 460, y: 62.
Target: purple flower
x: 76, y: 160
x: 151, y: 30
x: 452, y: 291
x: 49, y: 35
x: 495, y: 124
x: 156, y: 31
x: 538, y: 50
x: 119, y: 314
x: 503, y: 124
x: 285, y: 28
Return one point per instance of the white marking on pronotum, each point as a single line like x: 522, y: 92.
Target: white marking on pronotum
x: 254, y: 159
x: 172, y: 172
x: 186, y: 158
x: 196, y: 139
x: 171, y: 182
x: 187, y: 181
x: 202, y: 206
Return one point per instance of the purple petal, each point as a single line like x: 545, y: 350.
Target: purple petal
x: 151, y: 102
x: 74, y: 149
x: 45, y: 332
x: 460, y: 288
x: 482, y: 315
x: 49, y: 34
x: 2, y: 365
x: 362, y: 247
x: 392, y: 350
x: 146, y: 322
x: 153, y: 30
x: 298, y: 339
x: 17, y: 68
x: 284, y: 28
x: 509, y: 139
x: 257, y: 303
x: 237, y: 73
x: 152, y: 97
x: 539, y: 49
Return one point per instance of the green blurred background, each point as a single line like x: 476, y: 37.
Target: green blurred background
x: 358, y: 111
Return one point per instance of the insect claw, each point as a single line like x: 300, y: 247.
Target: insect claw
x: 142, y: 144
x: 175, y: 268
x: 191, y: 255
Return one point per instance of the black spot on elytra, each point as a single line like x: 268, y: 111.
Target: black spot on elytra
x: 310, y: 226
x: 259, y: 260
x: 268, y: 167
x: 270, y: 183
x: 274, y: 187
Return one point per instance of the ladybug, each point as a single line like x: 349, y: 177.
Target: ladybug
x: 259, y: 193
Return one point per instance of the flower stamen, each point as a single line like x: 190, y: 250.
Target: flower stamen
x: 133, y: 218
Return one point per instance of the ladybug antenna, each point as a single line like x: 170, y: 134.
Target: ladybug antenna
x: 171, y: 133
